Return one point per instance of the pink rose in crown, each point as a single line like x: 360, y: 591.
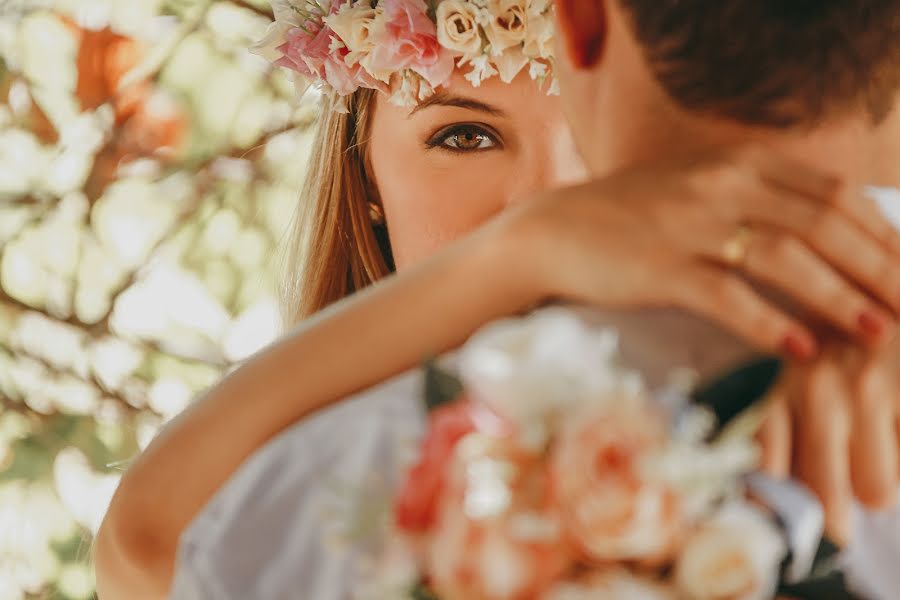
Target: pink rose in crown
x: 612, y: 511
x: 409, y: 41
x: 498, y: 534
x: 315, y: 51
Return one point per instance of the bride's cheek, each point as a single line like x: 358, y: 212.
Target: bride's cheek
x: 437, y: 210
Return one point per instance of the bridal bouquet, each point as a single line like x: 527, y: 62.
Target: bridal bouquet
x: 548, y: 471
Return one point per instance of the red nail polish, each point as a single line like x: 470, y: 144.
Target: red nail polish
x: 800, y: 346
x: 872, y: 323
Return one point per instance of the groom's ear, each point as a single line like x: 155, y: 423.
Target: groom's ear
x: 582, y: 25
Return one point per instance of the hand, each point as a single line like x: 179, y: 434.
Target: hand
x: 657, y: 235
x: 834, y: 424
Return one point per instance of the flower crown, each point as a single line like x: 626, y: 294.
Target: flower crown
x: 408, y: 48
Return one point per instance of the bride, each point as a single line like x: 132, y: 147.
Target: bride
x: 439, y: 155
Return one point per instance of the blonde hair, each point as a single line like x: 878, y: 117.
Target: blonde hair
x: 332, y: 248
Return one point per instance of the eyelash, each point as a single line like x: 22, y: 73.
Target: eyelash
x: 439, y: 139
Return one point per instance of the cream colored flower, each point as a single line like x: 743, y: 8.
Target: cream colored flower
x: 507, y: 25
x: 510, y: 63
x: 611, y: 511
x: 356, y: 25
x: 733, y: 556
x: 538, y: 41
x: 457, y: 28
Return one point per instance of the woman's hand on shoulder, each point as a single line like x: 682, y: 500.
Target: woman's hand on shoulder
x: 693, y: 234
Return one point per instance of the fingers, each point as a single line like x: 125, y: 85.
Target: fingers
x: 865, y: 212
x: 774, y: 435
x: 726, y: 299
x: 792, y: 175
x: 822, y: 433
x: 789, y: 175
x: 874, y: 466
x: 791, y: 267
x: 834, y: 235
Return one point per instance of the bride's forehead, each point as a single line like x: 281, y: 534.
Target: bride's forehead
x: 511, y: 97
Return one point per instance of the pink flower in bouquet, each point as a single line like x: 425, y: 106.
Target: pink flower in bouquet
x: 409, y: 41
x: 611, y: 511
x: 499, y: 535
x: 416, y: 505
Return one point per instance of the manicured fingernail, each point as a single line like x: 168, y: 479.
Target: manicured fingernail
x: 873, y: 323
x: 800, y: 346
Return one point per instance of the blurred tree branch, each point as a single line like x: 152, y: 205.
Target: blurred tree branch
x: 263, y: 12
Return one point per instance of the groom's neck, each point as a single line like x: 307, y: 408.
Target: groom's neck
x: 847, y: 146
x: 634, y: 121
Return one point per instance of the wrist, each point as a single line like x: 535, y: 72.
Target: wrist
x: 511, y: 258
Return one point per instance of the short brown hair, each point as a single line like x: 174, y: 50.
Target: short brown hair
x: 773, y: 62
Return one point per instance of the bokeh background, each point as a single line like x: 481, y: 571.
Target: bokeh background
x: 148, y: 165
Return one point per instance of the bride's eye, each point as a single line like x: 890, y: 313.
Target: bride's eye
x: 463, y: 138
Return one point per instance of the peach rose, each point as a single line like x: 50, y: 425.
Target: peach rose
x: 611, y: 510
x: 498, y: 536
x: 733, y: 556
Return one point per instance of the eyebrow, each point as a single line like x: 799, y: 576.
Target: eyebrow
x: 445, y: 99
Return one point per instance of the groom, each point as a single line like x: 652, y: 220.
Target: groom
x: 812, y: 80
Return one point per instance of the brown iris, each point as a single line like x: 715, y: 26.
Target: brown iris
x: 468, y: 140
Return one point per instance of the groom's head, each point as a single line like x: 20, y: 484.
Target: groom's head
x: 647, y: 77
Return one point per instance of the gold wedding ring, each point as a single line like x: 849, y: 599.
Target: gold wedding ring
x: 736, y: 248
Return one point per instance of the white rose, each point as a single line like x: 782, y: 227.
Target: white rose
x: 457, y: 27
x: 539, y: 37
x: 735, y: 555
x: 357, y: 26
x: 507, y: 25
x: 546, y: 363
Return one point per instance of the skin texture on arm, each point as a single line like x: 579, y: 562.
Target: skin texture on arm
x: 333, y: 355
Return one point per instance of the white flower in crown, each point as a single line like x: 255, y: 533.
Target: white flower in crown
x: 508, y: 24
x: 482, y: 70
x: 458, y: 28
x: 539, y: 35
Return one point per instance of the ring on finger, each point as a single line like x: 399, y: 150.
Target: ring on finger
x: 737, y: 247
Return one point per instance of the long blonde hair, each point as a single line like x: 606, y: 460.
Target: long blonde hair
x: 333, y: 247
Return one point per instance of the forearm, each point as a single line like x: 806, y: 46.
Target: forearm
x: 377, y: 334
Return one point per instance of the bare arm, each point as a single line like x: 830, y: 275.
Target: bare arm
x: 359, y: 343
x: 607, y: 243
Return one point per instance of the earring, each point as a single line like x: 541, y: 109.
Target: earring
x: 376, y: 213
